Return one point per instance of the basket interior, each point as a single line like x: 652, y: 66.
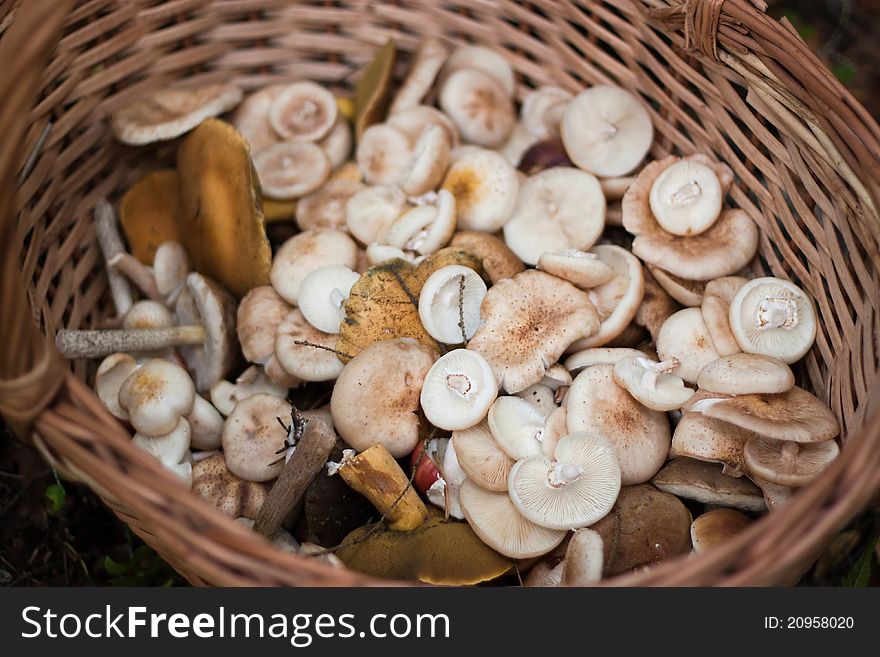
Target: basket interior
x: 814, y: 231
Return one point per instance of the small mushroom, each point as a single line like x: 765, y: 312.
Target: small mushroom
x: 717, y: 296
x: 156, y: 395
x: 170, y: 268
x: 684, y: 336
x: 540, y: 396
x: 517, y: 427
x: 306, y: 252
x: 545, y: 574
x: 377, y: 395
x: 252, y: 436
x: 485, y: 188
x: 384, y: 155
x: 303, y: 112
x: 170, y: 448
x: 427, y: 62
x: 542, y: 110
x: 641, y: 436
x: 168, y: 113
x: 458, y: 390
x: 788, y: 463
x: 494, y: 518
x: 517, y: 145
x: 449, y: 304
x: 371, y: 211
x: 685, y: 198
x: 213, y: 483
x: 112, y: 372
x: 558, y: 209
x: 322, y: 294
x: 699, y: 437
x: 606, y: 130
x: 705, y: 482
x: 479, y: 107
x: 225, y: 395
x: 555, y: 427
x: 428, y: 163
x: 499, y: 261
x: 581, y: 268
x: 290, y: 170
x: 337, y: 144
x: 304, y: 351
x: 773, y: 317
x: 740, y: 374
x: 584, y: 558
x: 652, y: 383
x: 483, y: 59
x: 415, y: 120
x: 481, y: 458
x: 425, y: 228
x: 259, y: 313
x: 575, y: 488
x: 528, y: 322
x: 775, y: 496
x: 687, y: 293
x: 717, y: 527
x: 251, y: 118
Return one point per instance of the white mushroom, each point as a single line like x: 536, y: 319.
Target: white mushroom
x: 252, y: 437
x: 156, y: 396
x: 322, y: 295
x: 327, y: 207
x: 788, y: 463
x: 288, y: 170
x: 542, y: 110
x: 303, y: 112
x: 686, y: 198
x: 304, y: 351
x: 580, y: 268
x: 371, y: 211
x: 427, y: 62
x: 458, y: 390
x: 517, y: 426
x: 741, y: 374
x: 652, y: 383
x: 306, y: 252
x: 170, y: 448
x: 426, y: 227
x: 112, y: 372
x: 384, y: 155
x: 225, y: 395
x: 449, y: 304
x: 428, y: 163
x: 684, y: 336
x: 485, y: 187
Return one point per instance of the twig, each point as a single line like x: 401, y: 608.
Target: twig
x: 35, y: 153
x: 461, y: 310
x: 306, y: 343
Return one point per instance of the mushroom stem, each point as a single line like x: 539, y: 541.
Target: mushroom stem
x: 375, y: 474
x: 96, y: 344
x: 654, y: 370
x: 564, y: 473
x: 138, y: 273
x: 106, y: 228
x: 312, y: 449
x: 776, y: 312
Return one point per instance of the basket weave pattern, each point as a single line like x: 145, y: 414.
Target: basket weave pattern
x: 719, y: 77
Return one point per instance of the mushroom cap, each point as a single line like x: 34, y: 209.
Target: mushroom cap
x: 483, y: 59
x: 556, y: 377
x: 684, y: 336
x: 687, y: 293
x: 213, y: 483
x: 581, y: 268
x: 686, y: 198
x: 424, y: 228
x: 426, y: 64
x: 705, y: 482
x: 170, y: 267
x: 795, y: 415
x: 495, y: 519
x: 541, y: 396
x: 291, y: 169
x: 481, y: 458
x: 724, y: 287
x: 430, y: 159
x: 717, y: 527
x: 485, y: 187
x: 303, y: 112
x: 225, y: 395
x: 499, y: 261
x: 414, y: 120
x: 773, y: 317
x: 574, y: 489
x: 376, y: 396
x: 555, y: 427
x: 458, y: 390
x: 584, y: 559
x: 168, y: 113
x: 656, y: 307
x: 579, y: 360
x: 618, y: 300
x: 606, y: 130
x: 251, y: 118
x: 327, y: 207
x: 716, y: 314
x: 650, y: 384
x: 145, y: 314
x: 479, y: 106
x: 517, y: 427
x: 449, y: 303
x: 206, y: 423
x: 306, y: 252
x: 303, y: 361
x: 112, y: 371
x: 384, y: 155
x: 205, y: 302
x: 156, y: 395
x: 545, y: 574
x: 371, y: 211
x: 741, y: 374
x: 641, y: 436
x: 322, y: 296
x: 542, y: 109
x: 558, y: 209
x: 170, y: 448
x: 699, y: 437
x: 259, y: 314
x: 252, y: 437
x: 788, y: 464
x: 337, y: 145
x: 528, y: 322
x: 148, y: 213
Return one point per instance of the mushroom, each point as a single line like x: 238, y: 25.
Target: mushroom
x: 481, y: 458
x: 327, y: 207
x: 289, y: 170
x: 684, y: 336
x: 112, y: 372
x: 427, y: 62
x: 788, y: 463
x: 556, y: 377
x: 583, y: 559
x: 545, y: 574
x: 652, y: 383
x: 156, y: 395
x: 616, y: 301
x: 541, y: 396
x: 426, y: 227
x: 584, y: 358
x: 225, y: 395
x: 542, y: 110
x: 717, y: 527
x: 528, y: 322
x: 479, y: 107
x: 685, y: 198
x: 717, y: 296
x: 687, y: 293
x: 656, y: 307
x: 322, y: 294
x: 170, y: 268
x: 699, y: 437
x: 740, y: 374
x: 558, y: 209
x: 168, y: 113
x: 384, y: 155
x: 371, y: 211
x: 606, y: 130
x: 773, y: 317
x: 449, y: 304
x: 575, y: 488
x: 546, y: 154
x: 377, y: 395
x: 252, y: 436
x: 485, y: 188
x: 775, y: 496
x: 304, y: 351
x: 499, y: 261
x: 337, y: 144
x: 517, y: 427
x: 641, y: 436
x: 518, y: 143
x: 458, y: 390
x: 303, y: 112
x: 251, y: 118
x: 259, y: 313
x: 494, y: 518
x: 483, y: 59
x: 306, y: 252
x: 170, y: 448
x: 415, y: 120
x: 555, y: 427
x: 705, y: 482
x: 581, y: 268
x: 214, y: 483
x: 793, y: 415
x: 428, y: 163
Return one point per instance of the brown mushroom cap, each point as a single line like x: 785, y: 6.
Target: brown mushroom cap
x: 705, y: 482
x: 740, y: 374
x: 148, y: 213
x: 640, y: 436
x: 376, y: 396
x: 716, y: 527
x: 259, y: 314
x: 792, y: 415
x: 787, y: 463
x: 306, y: 361
x: 232, y: 495
x: 528, y: 322
x: 252, y: 437
x: 498, y: 260
x: 700, y: 437
x: 326, y: 207
x: 168, y: 113
x: 479, y: 455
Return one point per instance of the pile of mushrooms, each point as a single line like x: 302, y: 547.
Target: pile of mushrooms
x: 495, y: 341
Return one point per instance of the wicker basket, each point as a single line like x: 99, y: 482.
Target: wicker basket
x: 719, y: 77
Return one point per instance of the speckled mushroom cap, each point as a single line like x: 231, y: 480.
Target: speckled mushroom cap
x: 706, y: 482
x: 717, y: 526
x: 706, y: 439
x: 528, y: 322
x: 213, y: 483
x: 741, y: 374
x: 306, y: 252
x: 259, y: 314
x: 252, y: 437
x: 641, y: 436
x: 156, y: 395
x: 684, y: 336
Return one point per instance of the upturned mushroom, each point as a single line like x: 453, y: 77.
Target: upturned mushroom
x: 528, y: 322
x: 303, y: 112
x: 306, y: 252
x: 458, y: 390
x: 651, y: 383
x: 517, y: 427
x: 322, y: 294
x: 788, y: 463
x: 171, y: 448
x: 449, y: 304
